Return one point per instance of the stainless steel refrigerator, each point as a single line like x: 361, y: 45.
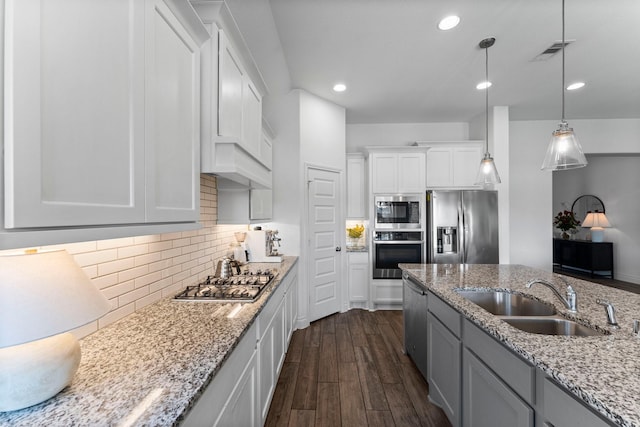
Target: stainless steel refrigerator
x: 462, y: 227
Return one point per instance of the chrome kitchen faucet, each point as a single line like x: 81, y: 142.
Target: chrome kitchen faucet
x: 571, y: 301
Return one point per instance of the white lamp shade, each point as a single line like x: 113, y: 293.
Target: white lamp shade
x: 596, y: 219
x: 564, y: 151
x: 44, y: 294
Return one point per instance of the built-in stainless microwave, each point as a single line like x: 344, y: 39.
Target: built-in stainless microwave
x: 398, y: 212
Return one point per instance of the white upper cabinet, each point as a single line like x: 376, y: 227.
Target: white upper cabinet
x: 101, y: 113
x: 394, y: 172
x: 74, y: 113
x: 231, y: 85
x: 451, y: 165
x: 356, y: 193
x: 173, y: 118
x: 232, y: 92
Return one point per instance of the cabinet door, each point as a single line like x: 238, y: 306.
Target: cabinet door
x: 172, y: 118
x: 261, y: 204
x: 74, y: 113
x: 356, y: 205
x: 411, y: 176
x: 443, y: 366
x: 358, y: 281
x: 466, y: 161
x: 291, y: 311
x: 488, y: 401
x: 230, y: 87
x: 240, y: 410
x: 439, y: 170
x: 270, y: 357
x: 251, y: 118
x: 384, y: 173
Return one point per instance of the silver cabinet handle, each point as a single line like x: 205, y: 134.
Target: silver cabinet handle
x: 338, y: 249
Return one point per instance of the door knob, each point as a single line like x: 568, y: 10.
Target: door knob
x: 338, y: 249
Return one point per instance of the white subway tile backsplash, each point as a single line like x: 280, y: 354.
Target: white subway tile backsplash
x: 149, y: 299
x: 133, y: 273
x: 120, y: 289
x: 97, y: 257
x: 115, y: 266
x: 134, y: 250
x: 132, y: 296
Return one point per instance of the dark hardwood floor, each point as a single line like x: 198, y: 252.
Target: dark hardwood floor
x: 349, y: 369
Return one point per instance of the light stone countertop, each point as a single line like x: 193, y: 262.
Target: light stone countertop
x: 602, y: 371
x: 163, y: 355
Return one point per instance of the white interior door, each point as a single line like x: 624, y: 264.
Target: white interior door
x: 324, y: 248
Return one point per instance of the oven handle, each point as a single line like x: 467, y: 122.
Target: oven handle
x: 397, y: 242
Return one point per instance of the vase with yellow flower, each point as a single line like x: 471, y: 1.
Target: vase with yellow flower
x: 354, y: 237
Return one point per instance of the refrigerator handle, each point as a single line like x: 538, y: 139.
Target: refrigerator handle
x: 462, y: 238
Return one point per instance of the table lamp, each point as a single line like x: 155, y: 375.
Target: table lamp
x: 598, y: 222
x: 43, y: 295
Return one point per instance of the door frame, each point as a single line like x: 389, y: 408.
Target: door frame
x: 305, y: 300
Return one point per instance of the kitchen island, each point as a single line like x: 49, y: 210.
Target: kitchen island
x: 150, y: 368
x: 602, y: 372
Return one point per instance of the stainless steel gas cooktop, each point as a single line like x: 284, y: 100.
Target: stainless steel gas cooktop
x: 245, y: 287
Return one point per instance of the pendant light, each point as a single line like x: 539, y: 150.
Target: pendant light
x: 564, y: 151
x: 487, y: 174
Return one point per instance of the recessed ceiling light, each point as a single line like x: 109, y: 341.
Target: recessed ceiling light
x: 483, y: 85
x: 449, y: 22
x: 340, y: 87
x: 576, y: 85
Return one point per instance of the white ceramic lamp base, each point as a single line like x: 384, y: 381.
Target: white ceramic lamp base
x: 33, y: 372
x: 597, y: 234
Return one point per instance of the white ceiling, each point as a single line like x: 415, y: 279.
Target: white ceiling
x: 399, y: 68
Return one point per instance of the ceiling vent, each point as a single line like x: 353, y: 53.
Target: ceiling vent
x: 551, y: 50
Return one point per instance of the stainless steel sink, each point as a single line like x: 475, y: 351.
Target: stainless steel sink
x: 551, y: 326
x: 503, y: 303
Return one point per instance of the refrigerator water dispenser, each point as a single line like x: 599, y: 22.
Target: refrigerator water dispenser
x: 447, y: 240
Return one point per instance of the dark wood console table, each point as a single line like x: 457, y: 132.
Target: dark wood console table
x: 591, y: 257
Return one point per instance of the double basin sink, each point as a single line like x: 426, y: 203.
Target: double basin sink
x: 526, y: 314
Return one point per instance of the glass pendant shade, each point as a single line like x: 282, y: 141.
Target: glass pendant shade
x: 564, y: 150
x: 487, y: 174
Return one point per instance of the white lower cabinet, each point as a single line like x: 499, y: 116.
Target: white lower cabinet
x: 240, y: 410
x: 241, y: 392
x: 234, y: 388
x: 358, y: 278
x: 271, y: 352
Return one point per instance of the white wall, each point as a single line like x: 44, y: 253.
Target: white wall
x: 391, y: 134
x: 531, y: 190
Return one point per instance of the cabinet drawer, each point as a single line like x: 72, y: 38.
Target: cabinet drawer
x: 447, y: 315
x: 514, y: 371
x: 562, y: 409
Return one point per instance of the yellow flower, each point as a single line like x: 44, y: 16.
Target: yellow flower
x: 356, y: 231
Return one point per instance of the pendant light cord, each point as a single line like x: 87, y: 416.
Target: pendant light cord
x: 486, y: 100
x: 563, y: 46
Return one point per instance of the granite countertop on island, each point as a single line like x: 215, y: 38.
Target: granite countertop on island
x: 149, y: 368
x: 603, y: 371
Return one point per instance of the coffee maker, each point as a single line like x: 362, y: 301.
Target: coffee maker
x: 262, y: 246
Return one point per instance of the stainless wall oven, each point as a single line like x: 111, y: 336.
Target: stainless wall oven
x: 398, y: 212
x: 391, y: 248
